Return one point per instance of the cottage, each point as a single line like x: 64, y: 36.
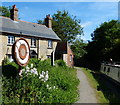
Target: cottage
x: 41, y: 38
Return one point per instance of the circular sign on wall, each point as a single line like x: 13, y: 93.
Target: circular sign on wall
x: 21, y: 52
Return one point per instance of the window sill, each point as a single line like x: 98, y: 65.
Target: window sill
x: 33, y: 46
x: 49, y: 48
x: 9, y: 44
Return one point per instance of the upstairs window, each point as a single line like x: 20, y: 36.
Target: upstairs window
x: 33, y: 42
x: 49, y: 43
x: 11, y: 40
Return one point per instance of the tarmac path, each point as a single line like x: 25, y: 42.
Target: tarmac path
x: 87, y: 93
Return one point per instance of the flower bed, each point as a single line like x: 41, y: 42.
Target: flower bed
x: 39, y: 82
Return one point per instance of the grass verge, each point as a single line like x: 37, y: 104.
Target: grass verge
x: 93, y: 82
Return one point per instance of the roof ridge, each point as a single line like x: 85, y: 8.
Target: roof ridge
x: 31, y: 22
x: 22, y: 21
x: 5, y: 17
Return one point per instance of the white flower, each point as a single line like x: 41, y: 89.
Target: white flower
x: 31, y: 65
x: 46, y: 77
x: 54, y: 87
x: 20, y: 73
x: 34, y: 71
x: 27, y: 67
x: 47, y: 86
x: 27, y: 70
x: 46, y: 72
x: 41, y: 76
x: 43, y: 73
x: 50, y: 88
x: 23, y: 69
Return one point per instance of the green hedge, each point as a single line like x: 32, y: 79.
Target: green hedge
x: 41, y: 83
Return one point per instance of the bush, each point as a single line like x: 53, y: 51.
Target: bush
x: 10, y: 69
x: 60, y: 63
x: 39, y: 82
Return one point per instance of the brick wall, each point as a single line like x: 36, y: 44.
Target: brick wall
x: 70, y: 57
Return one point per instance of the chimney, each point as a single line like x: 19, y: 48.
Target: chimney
x: 48, y: 21
x: 14, y: 13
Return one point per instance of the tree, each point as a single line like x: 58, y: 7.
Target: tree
x: 105, y: 43
x: 78, y: 48
x: 5, y: 11
x: 66, y: 27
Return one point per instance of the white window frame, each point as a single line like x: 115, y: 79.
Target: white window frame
x: 33, y: 42
x: 49, y: 43
x: 11, y: 40
x: 10, y: 57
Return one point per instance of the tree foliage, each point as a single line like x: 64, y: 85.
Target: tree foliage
x: 78, y: 48
x: 105, y: 43
x: 65, y: 26
x: 5, y: 11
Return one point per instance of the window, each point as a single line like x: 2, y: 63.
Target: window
x: 33, y: 42
x: 10, y: 57
x: 48, y: 56
x: 70, y: 58
x: 104, y: 69
x: 108, y: 70
x: 49, y: 43
x: 11, y: 40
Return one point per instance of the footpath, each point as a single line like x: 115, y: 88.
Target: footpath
x: 87, y: 93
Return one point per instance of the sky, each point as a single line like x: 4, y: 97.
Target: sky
x: 91, y: 14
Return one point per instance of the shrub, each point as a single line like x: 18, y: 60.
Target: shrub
x: 60, y: 63
x: 10, y: 69
x: 39, y: 82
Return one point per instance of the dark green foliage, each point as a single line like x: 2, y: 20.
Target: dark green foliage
x: 66, y: 27
x: 61, y: 86
x: 78, y: 48
x: 60, y: 63
x: 10, y: 69
x: 105, y: 44
x: 4, y: 11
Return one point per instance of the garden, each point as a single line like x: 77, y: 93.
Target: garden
x: 39, y: 82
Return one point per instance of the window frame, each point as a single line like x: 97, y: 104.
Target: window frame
x: 11, y: 40
x: 50, y: 44
x: 70, y: 57
x: 33, y: 42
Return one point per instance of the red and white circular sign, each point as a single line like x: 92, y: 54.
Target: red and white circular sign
x: 21, y: 52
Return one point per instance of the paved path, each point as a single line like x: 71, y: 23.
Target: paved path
x: 87, y: 93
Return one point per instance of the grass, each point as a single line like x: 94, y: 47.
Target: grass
x: 103, y: 93
x: 93, y: 82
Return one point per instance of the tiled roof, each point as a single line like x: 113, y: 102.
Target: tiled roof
x: 27, y: 28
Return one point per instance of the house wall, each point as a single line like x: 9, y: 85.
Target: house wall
x: 3, y: 47
x: 41, y: 47
x: 65, y: 57
x: 70, y: 61
x: 44, y: 50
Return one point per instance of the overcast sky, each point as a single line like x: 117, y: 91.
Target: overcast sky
x: 91, y: 14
